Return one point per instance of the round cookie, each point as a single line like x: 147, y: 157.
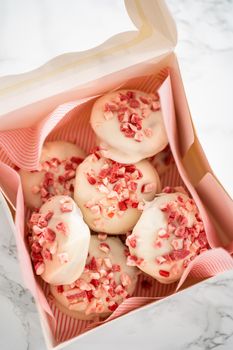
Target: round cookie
x: 58, y: 163
x: 105, y: 283
x: 110, y: 195
x: 59, y: 240
x: 168, y: 235
x: 129, y: 125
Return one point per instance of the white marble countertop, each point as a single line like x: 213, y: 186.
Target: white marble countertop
x: 201, y: 317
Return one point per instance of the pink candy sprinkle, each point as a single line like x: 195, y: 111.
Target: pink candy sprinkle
x: 102, y: 236
x: 49, y: 235
x: 147, y: 188
x: 160, y: 260
x: 116, y: 268
x: 61, y: 227
x: 66, y: 207
x: 138, y: 136
x: 132, y: 241
x: 158, y: 243
x: 177, y: 243
x: 125, y: 279
x: 104, y: 247
x: 47, y: 254
x: 162, y: 233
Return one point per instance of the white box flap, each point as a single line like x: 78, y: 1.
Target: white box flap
x: 154, y: 36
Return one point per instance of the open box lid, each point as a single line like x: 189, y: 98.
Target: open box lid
x: 152, y: 34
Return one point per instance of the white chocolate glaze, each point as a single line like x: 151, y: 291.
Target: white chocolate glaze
x: 58, y: 163
x: 111, y: 202
x: 104, y: 284
x: 168, y: 235
x: 129, y: 130
x: 59, y: 240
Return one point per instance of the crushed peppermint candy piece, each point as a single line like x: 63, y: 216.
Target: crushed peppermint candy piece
x: 163, y: 233
x: 104, y: 247
x: 164, y: 273
x: 102, y: 236
x: 125, y: 279
x: 132, y: 241
x: 175, y: 244
x: 66, y: 206
x: 147, y: 188
x: 160, y: 260
x: 61, y: 227
x: 102, y: 285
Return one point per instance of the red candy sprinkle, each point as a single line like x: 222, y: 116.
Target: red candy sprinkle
x: 36, y: 256
x: 36, y: 247
x: 47, y: 255
x: 76, y: 160
x: 62, y: 228
x: 95, y: 282
x: 49, y: 216
x: 164, y: 273
x: 113, y: 307
x: 122, y: 205
x: 60, y: 289
x: 91, y: 180
x: 50, y: 235
x: 132, y: 241
x: 116, y: 268
x: 89, y: 295
x: 93, y: 265
x: 134, y: 104
x: 104, y: 247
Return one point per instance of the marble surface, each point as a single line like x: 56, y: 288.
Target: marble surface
x: 201, y: 317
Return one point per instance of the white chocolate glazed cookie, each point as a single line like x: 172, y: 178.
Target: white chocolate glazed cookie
x: 168, y: 235
x: 129, y: 125
x: 110, y: 195
x: 59, y: 240
x: 105, y: 283
x: 58, y: 163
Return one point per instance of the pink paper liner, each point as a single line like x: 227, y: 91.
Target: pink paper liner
x: 70, y: 122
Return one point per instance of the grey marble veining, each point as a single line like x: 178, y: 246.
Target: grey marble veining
x: 198, y: 318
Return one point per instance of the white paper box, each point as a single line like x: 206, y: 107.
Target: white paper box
x: 25, y: 98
